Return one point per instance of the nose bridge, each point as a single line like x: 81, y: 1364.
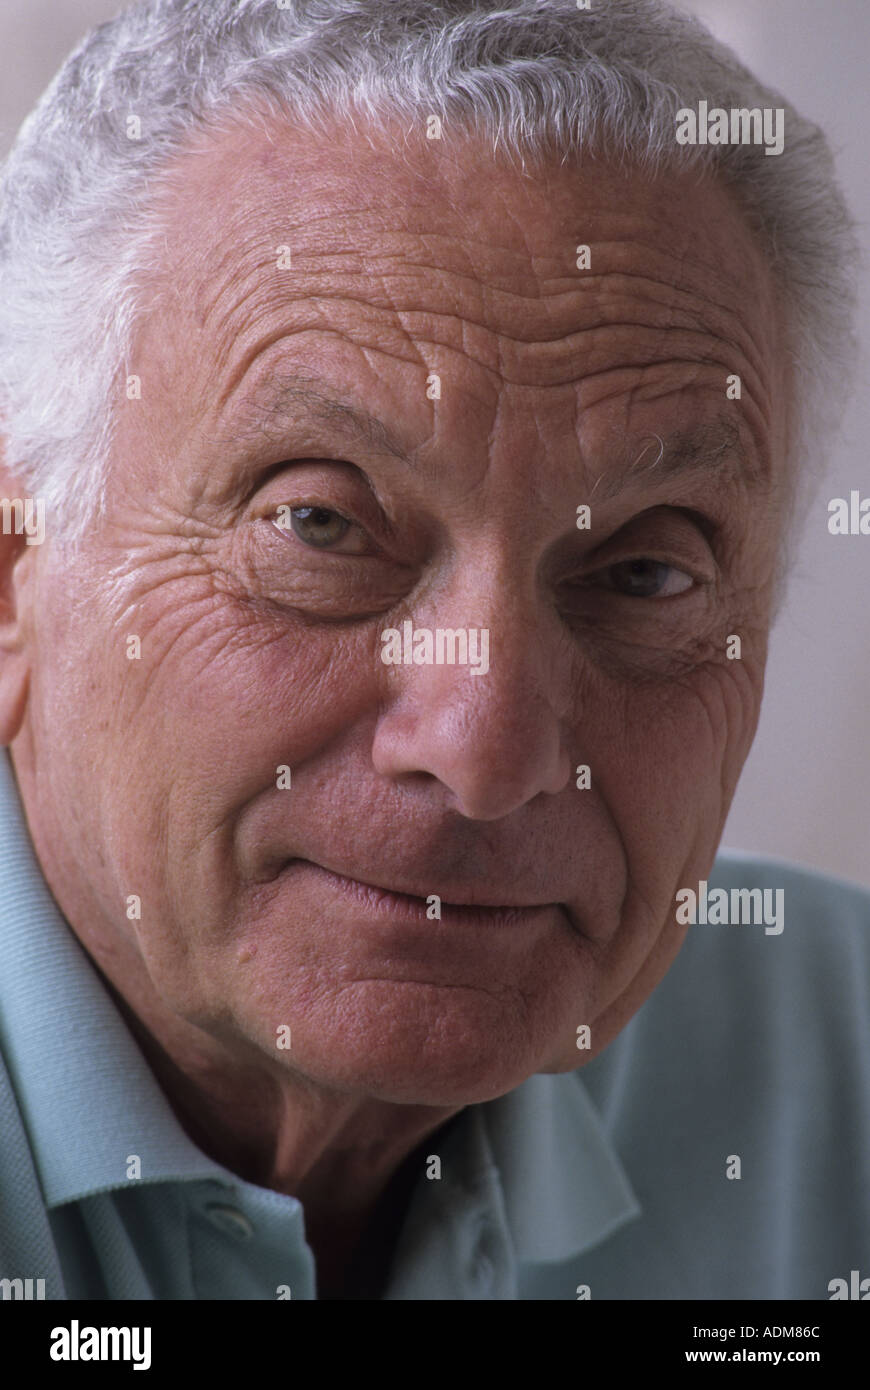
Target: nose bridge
x: 474, y: 698
x: 493, y: 692
x: 479, y: 639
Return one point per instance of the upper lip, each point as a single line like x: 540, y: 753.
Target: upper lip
x: 451, y: 895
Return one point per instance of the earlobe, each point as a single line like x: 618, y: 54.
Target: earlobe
x: 15, y: 557
x: 14, y: 685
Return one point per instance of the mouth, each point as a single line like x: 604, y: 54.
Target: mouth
x: 432, y: 907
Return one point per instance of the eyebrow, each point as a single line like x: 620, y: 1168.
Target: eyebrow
x: 713, y: 450
x: 280, y: 398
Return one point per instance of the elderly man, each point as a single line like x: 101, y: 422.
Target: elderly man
x: 417, y: 398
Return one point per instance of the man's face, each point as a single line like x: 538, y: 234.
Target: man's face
x: 310, y: 385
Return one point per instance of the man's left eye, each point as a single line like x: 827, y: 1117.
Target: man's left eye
x: 643, y: 578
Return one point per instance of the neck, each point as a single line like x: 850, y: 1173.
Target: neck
x: 352, y: 1162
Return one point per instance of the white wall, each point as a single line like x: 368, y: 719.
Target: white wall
x: 805, y: 791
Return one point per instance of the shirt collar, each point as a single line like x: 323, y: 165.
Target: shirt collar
x: 527, y: 1179
x: 564, y: 1187
x: 87, y: 1095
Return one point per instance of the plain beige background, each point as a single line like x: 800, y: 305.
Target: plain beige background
x: 805, y: 790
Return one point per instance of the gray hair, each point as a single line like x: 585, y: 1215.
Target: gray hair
x: 80, y: 227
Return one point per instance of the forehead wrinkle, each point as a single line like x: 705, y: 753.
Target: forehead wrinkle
x: 398, y: 273
x: 240, y: 293
x: 554, y: 320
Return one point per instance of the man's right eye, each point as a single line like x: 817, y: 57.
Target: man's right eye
x: 320, y: 527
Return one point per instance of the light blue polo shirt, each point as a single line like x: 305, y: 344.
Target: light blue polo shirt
x: 618, y: 1180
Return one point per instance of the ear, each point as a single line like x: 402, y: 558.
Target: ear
x: 18, y: 544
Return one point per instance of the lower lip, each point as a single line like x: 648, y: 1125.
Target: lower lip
x: 403, y: 907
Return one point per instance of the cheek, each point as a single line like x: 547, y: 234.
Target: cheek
x: 681, y: 751
x: 668, y: 757
x: 217, y: 704
x: 683, y: 744
x: 274, y: 695
x: 233, y: 703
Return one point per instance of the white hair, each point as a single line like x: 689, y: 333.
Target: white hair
x: 79, y: 226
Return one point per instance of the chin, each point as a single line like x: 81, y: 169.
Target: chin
x: 445, y: 1047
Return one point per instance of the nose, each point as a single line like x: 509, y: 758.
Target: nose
x: 494, y: 738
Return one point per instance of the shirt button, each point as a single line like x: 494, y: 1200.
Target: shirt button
x: 229, y: 1220
x: 482, y: 1265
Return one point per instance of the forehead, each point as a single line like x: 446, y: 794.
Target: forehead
x: 375, y: 251
x: 242, y: 184
x: 452, y: 201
